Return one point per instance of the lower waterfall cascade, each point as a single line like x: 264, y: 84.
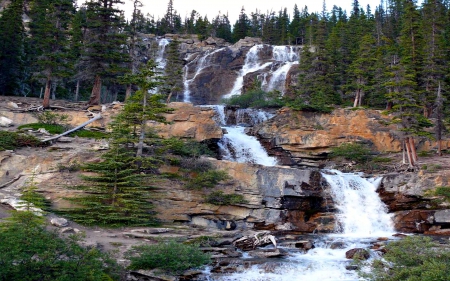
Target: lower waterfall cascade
x: 362, y: 218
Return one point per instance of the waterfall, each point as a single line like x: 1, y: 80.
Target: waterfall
x: 361, y: 211
x: 236, y: 145
x: 362, y: 217
x: 160, y: 60
x: 251, y: 64
x: 200, y: 63
x: 286, y: 57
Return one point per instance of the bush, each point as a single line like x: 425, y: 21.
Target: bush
x: 12, y: 140
x: 352, y: 152
x: 170, y: 257
x: 207, y: 179
x: 51, y: 118
x: 256, y: 98
x: 411, y: 259
x: 443, y: 191
x: 29, y: 252
x: 187, y: 148
x: 220, y: 198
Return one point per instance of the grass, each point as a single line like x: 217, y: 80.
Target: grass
x: 170, y: 257
x: 220, y: 198
x: 59, y: 129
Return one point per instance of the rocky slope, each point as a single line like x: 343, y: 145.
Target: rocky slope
x: 279, y: 198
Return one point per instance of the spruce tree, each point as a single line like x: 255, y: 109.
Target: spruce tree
x: 103, y: 57
x: 50, y: 36
x: 119, y: 191
x: 12, y: 49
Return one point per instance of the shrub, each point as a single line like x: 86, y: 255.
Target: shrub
x: 12, y: 140
x: 48, y: 117
x: 170, y: 257
x: 256, y: 98
x: 207, y: 179
x: 187, y: 148
x: 443, y: 191
x: 29, y: 252
x: 352, y: 152
x: 411, y: 259
x: 220, y: 198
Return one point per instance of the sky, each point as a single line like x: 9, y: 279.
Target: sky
x: 211, y: 8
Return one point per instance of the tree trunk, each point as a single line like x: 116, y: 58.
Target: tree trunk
x: 53, y: 90
x: 413, y: 150
x: 77, y: 90
x: 408, y: 153
x: 356, y: 102
x: 404, y: 152
x: 128, y: 92
x: 46, y: 102
x: 96, y: 91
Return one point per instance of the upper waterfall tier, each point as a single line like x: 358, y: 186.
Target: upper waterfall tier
x: 220, y: 73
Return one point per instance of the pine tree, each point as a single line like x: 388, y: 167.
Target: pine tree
x: 12, y: 49
x: 103, y: 57
x: 50, y: 35
x: 173, y: 72
x: 241, y: 27
x: 119, y: 192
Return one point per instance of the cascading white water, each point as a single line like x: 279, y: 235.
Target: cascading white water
x: 286, y: 56
x: 160, y: 60
x: 236, y: 145
x: 363, y: 217
x: 201, y: 63
x: 361, y: 212
x: 252, y: 64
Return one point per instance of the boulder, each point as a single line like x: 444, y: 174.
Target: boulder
x: 5, y: 122
x: 59, y: 222
x: 357, y: 254
x: 442, y: 217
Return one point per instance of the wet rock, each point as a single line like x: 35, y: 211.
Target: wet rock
x: 357, y: 254
x: 351, y: 267
x: 190, y: 275
x: 148, y: 275
x: 337, y: 245
x: 304, y: 245
x: 268, y: 253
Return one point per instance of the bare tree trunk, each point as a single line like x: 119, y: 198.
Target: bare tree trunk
x: 128, y: 92
x: 404, y: 151
x: 46, y: 102
x: 40, y: 94
x: 408, y: 152
x: 356, y: 102
x: 413, y: 150
x: 77, y: 90
x: 439, y: 123
x: 96, y: 91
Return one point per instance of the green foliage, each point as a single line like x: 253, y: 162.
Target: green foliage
x: 51, y: 128
x: 352, y: 152
x: 170, y: 257
x: 256, y: 98
x: 29, y: 252
x: 443, y: 191
x: 411, y: 259
x: 185, y: 148
x: 31, y: 197
x: 59, y: 129
x: 51, y: 118
x: 12, y: 140
x: 220, y: 198
x: 207, y: 179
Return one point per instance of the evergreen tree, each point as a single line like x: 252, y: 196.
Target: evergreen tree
x: 103, y: 57
x: 12, y: 49
x: 50, y: 34
x: 241, y: 27
x: 119, y: 193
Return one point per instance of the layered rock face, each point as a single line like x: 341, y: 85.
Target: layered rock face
x: 415, y: 209
x: 305, y: 138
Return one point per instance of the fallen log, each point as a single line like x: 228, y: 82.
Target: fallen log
x: 96, y: 117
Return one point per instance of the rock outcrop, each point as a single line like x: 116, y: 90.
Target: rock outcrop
x: 305, y: 138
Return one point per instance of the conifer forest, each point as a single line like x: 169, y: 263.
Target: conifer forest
x: 393, y: 56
